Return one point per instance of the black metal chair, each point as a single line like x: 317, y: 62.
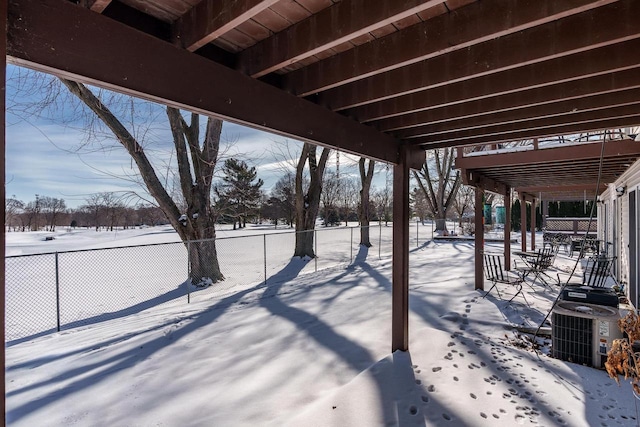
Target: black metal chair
x: 597, y: 271
x: 538, y: 266
x: 495, y: 273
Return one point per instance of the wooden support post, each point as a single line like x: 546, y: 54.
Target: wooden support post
x: 523, y: 222
x: 479, y: 239
x: 533, y: 224
x: 3, y: 126
x: 400, y: 263
x: 507, y: 228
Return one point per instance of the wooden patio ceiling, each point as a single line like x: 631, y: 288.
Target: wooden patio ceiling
x: 558, y: 172
x: 364, y: 76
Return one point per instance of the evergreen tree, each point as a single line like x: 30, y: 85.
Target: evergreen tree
x: 239, y: 194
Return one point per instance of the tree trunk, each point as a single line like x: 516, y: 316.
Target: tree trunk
x: 308, y: 205
x: 441, y: 224
x: 203, y: 262
x: 363, y: 214
x: 304, y: 244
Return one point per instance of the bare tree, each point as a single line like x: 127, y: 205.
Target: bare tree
x: 463, y: 202
x: 420, y: 206
x: 51, y: 209
x: 308, y: 202
x: 31, y: 214
x: 196, y: 163
x: 439, y: 183
x: 349, y: 195
x: 364, y: 213
x: 94, y: 209
x: 12, y: 210
x: 284, y: 193
x: 329, y: 198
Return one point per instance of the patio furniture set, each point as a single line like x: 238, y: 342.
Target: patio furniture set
x: 535, y: 267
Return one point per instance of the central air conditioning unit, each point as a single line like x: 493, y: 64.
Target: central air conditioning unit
x: 583, y: 333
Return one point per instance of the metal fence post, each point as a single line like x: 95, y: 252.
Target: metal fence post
x: 380, y: 240
x: 264, y: 241
x: 188, y: 271
x: 351, y: 245
x: 315, y: 241
x: 57, y: 292
x: 417, y: 237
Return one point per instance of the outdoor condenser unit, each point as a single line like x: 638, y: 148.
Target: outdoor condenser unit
x: 582, y: 333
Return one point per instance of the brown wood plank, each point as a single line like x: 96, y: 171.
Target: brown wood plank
x: 254, y: 30
x: 315, y: 6
x: 587, y: 103
x: 3, y: 195
x: 97, y: 5
x: 537, y: 124
x: 330, y: 27
x: 59, y: 37
x: 569, y: 153
x: 400, y: 260
x: 209, y: 19
x: 291, y: 9
x: 621, y: 56
x: 472, y: 25
x: 603, y: 26
x: 383, y: 31
x: 566, y: 129
x: 572, y: 90
x: 272, y: 20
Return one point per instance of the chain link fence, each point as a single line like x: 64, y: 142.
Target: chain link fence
x: 61, y: 290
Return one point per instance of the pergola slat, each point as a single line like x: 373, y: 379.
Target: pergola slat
x: 328, y: 28
x: 442, y: 34
x: 210, y: 19
x: 571, y: 110
x: 591, y: 120
x: 548, y: 96
x: 592, y: 63
x: 604, y: 26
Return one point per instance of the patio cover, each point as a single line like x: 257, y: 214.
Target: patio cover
x: 385, y: 79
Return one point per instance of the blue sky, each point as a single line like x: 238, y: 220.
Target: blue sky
x: 49, y: 156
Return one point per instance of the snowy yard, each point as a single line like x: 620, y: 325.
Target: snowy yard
x: 314, y: 349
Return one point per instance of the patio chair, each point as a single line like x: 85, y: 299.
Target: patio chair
x: 583, y: 245
x: 538, y: 265
x: 597, y: 271
x: 494, y: 272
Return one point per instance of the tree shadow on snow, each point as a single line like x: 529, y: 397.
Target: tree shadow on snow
x: 353, y: 354
x: 78, y: 378
x: 180, y: 291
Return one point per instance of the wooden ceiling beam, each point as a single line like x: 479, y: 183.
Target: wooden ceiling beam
x: 474, y: 179
x: 568, y: 153
x: 569, y: 129
x: 592, y: 63
x: 59, y: 37
x: 560, y: 111
x: 545, y: 126
x: 328, y: 28
x: 97, y: 5
x: 563, y: 188
x: 210, y: 19
x: 547, y: 97
x: 606, y: 25
x: 467, y: 26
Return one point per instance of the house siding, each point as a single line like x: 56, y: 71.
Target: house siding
x: 614, y: 226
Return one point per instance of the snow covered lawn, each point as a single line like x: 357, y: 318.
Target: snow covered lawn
x: 312, y: 350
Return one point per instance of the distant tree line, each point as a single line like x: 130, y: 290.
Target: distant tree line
x: 102, y: 211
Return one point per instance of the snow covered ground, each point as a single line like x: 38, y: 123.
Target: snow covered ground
x: 314, y: 349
